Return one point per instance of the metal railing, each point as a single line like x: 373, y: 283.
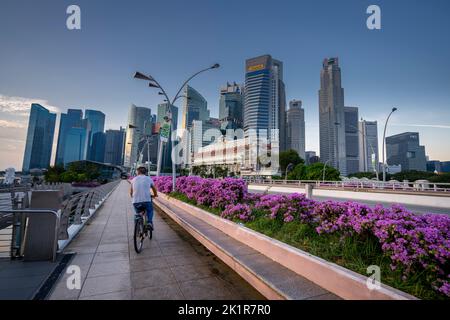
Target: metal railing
x: 74, y: 211
x: 79, y: 207
x: 18, y: 221
x: 417, y: 186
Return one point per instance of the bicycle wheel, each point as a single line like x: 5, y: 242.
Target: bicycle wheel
x: 139, y: 235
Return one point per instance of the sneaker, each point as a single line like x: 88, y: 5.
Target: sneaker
x: 150, y: 226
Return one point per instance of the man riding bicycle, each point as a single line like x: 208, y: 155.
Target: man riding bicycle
x: 140, y: 194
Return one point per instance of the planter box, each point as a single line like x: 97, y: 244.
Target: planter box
x: 330, y: 276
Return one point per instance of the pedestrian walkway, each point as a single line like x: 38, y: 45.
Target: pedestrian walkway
x: 173, y: 265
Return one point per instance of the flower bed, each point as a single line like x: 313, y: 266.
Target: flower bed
x: 412, y: 250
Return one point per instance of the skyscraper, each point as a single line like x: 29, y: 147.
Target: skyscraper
x: 67, y: 121
x: 332, y: 117
x: 351, y: 139
x: 195, y: 107
x: 114, y: 146
x: 77, y: 142
x: 368, y: 146
x: 231, y: 107
x: 39, y: 143
x: 404, y: 149
x: 265, y: 98
x: 295, y: 129
x: 139, y: 125
x: 96, y: 140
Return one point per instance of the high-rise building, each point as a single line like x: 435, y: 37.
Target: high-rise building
x: 39, y: 143
x: 368, y: 146
x: 434, y: 166
x: 114, y: 146
x: 231, y: 107
x: 404, y: 149
x: 68, y: 120
x: 195, y: 107
x: 310, y: 157
x: 265, y: 98
x: 332, y: 117
x: 295, y: 129
x: 139, y: 125
x: 77, y: 142
x: 96, y: 148
x: 351, y: 139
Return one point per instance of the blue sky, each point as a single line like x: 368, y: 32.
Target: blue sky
x: 405, y: 64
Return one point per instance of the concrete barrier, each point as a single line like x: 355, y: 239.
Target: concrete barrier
x: 393, y: 197
x: 332, y: 277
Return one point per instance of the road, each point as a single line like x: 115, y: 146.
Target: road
x: 412, y: 208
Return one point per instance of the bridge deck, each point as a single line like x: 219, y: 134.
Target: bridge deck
x: 172, y: 266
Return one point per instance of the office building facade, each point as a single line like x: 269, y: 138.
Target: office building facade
x: 332, y: 116
x: 231, y: 107
x: 39, y: 143
x: 195, y: 107
x: 265, y: 99
x: 139, y: 125
x: 404, y: 149
x: 77, y: 142
x: 96, y: 138
x: 368, y: 146
x: 351, y: 139
x: 295, y: 128
x: 114, y: 146
x: 68, y: 120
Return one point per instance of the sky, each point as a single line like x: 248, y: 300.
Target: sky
x: 405, y: 64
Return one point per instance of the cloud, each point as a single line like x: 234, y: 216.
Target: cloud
x: 12, y: 124
x: 436, y: 126
x: 20, y: 106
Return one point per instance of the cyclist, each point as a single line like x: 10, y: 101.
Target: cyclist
x: 140, y: 194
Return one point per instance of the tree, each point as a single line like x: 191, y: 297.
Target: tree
x: 315, y: 172
x: 287, y: 157
x: 53, y: 173
x: 441, y: 178
x: 413, y: 175
x: 299, y: 172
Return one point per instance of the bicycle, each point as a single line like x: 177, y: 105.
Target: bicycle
x: 142, y: 229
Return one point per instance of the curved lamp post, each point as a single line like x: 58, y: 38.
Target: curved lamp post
x: 154, y: 84
x: 384, y: 141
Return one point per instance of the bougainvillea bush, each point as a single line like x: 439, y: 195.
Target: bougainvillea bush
x: 413, y: 244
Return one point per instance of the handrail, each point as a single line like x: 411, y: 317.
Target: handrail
x: 18, y: 232
x: 415, y: 186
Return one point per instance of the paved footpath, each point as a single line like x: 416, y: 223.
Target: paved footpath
x: 173, y: 265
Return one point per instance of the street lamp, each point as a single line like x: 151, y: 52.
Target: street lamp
x: 169, y: 110
x: 384, y: 140
x: 288, y: 168
x: 324, y: 169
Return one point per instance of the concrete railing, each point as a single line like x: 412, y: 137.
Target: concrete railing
x: 408, y: 186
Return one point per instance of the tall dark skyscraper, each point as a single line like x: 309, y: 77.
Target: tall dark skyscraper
x: 231, y: 107
x: 114, y: 146
x: 96, y: 140
x: 295, y: 130
x: 332, y: 116
x: 67, y: 121
x: 351, y: 139
x: 405, y: 149
x: 39, y: 143
x: 265, y: 97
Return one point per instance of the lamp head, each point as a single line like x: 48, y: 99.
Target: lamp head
x: 141, y: 76
x: 215, y: 66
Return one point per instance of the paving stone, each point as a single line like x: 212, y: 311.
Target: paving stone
x: 106, y: 284
x: 168, y: 292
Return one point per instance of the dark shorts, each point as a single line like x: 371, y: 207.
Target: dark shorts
x: 147, y: 206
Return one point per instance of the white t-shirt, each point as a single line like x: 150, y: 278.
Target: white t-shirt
x: 141, y: 189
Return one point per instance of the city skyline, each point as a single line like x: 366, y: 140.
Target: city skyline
x: 379, y: 68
